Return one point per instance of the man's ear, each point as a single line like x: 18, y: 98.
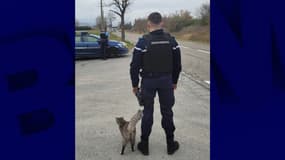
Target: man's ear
x: 161, y: 24
x: 148, y: 26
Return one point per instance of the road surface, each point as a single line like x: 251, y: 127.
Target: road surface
x: 103, y: 92
x: 195, y: 58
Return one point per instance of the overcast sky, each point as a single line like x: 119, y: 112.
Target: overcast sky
x: 88, y: 10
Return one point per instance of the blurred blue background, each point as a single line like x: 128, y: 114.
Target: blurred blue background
x: 247, y: 80
x: 37, y: 80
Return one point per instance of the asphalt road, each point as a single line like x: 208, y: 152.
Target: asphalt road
x: 195, y: 58
x: 103, y: 92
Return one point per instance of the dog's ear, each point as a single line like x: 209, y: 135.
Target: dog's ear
x: 120, y: 120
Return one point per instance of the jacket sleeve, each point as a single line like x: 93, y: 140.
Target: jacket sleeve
x: 136, y: 63
x: 177, y: 67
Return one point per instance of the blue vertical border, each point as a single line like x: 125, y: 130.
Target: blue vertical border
x: 37, y: 83
x: 247, y: 80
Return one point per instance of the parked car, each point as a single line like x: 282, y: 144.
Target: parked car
x: 88, y: 46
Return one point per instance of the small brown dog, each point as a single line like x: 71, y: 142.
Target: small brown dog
x: 128, y: 130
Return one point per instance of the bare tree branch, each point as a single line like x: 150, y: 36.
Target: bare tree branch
x: 117, y: 4
x: 117, y: 13
x: 120, y: 7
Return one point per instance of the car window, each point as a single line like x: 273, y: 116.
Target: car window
x: 92, y: 39
x: 96, y: 36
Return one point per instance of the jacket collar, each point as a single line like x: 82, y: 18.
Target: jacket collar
x: 158, y: 31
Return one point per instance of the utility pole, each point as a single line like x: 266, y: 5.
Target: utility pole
x: 102, y: 16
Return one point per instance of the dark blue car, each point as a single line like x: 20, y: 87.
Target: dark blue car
x: 88, y: 46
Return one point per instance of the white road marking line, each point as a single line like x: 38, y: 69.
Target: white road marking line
x: 208, y: 82
x: 185, y: 47
x: 199, y: 50
x: 203, y: 51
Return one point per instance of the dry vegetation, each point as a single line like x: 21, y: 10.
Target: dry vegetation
x: 183, y: 25
x: 194, y: 33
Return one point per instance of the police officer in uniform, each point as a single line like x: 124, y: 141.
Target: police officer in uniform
x: 103, y: 44
x: 156, y: 58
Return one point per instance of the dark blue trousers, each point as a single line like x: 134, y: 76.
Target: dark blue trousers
x: 163, y: 86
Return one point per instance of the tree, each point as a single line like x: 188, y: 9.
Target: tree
x: 140, y: 25
x: 120, y: 7
x: 177, y: 21
x: 102, y: 25
x: 128, y: 26
x: 204, y: 14
x: 110, y: 18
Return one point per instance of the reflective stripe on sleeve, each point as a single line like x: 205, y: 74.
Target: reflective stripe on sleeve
x: 174, y: 48
x: 139, y: 49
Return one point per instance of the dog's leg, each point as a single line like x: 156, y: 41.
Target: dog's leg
x: 133, y: 145
x: 123, y: 149
x: 133, y: 140
x: 124, y: 146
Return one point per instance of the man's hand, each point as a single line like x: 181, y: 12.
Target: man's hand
x: 135, y: 90
x: 174, y: 86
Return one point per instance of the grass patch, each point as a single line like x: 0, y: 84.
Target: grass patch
x: 194, y: 33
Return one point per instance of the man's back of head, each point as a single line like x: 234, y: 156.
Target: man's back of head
x: 154, y: 21
x: 155, y: 18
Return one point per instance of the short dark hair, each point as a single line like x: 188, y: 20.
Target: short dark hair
x: 155, y: 18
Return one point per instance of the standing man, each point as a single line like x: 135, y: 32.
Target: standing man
x: 156, y: 58
x: 104, y: 44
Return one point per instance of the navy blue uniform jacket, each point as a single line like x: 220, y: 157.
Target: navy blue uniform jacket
x: 140, y: 49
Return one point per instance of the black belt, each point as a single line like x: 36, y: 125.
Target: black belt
x: 154, y: 75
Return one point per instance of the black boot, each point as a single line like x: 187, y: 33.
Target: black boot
x: 143, y: 147
x: 172, y: 146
